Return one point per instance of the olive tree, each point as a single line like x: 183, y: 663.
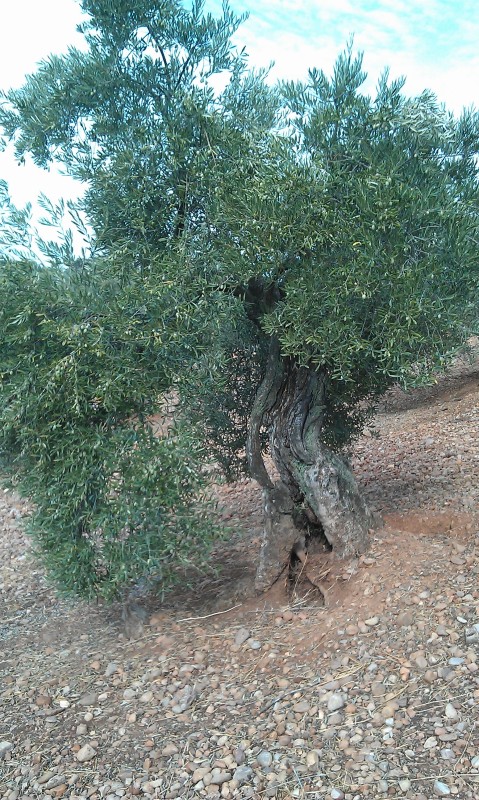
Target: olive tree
x: 326, y: 240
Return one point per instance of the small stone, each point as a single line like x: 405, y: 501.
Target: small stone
x: 451, y: 712
x: 421, y: 662
x: 447, y: 754
x: 430, y: 742
x: 42, y: 701
x: 199, y: 656
x: 455, y: 662
x: 371, y: 622
x: 169, y: 750
x: 129, y: 694
x: 200, y: 773
x: 242, y: 636
x: 335, y: 702
x: 301, y: 707
x: 86, y: 753
x: 239, y: 755
x: 337, y: 794
x: 89, y: 699
x: 82, y: 729
x: 5, y: 748
x: 146, y: 697
x: 441, y: 789
x: 111, y: 669
x: 475, y: 762
x: 264, y: 759
x: 242, y: 774
x: 312, y: 759
x: 472, y: 635
x: 405, y: 785
x: 351, y: 630
x: 254, y: 644
x: 405, y: 619
x: 45, y: 777
x: 218, y: 777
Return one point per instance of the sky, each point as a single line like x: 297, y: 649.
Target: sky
x: 431, y: 42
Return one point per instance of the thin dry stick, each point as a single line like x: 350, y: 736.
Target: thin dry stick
x: 207, y: 616
x: 456, y: 765
x: 187, y: 619
x: 441, y: 700
x: 290, y: 691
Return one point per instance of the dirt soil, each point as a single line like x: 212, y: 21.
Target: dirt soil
x: 218, y: 693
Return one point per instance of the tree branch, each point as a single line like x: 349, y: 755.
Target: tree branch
x: 264, y: 401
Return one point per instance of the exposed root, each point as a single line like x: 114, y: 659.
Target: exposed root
x: 299, y: 583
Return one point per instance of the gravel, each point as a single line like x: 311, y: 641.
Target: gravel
x: 375, y: 695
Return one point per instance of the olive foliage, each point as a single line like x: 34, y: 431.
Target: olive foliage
x: 225, y: 214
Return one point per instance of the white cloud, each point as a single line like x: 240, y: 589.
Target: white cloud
x: 30, y: 31
x: 432, y: 42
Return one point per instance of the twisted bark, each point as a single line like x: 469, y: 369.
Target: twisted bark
x: 314, y: 483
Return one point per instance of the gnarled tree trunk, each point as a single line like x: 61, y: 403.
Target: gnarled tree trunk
x: 313, y: 489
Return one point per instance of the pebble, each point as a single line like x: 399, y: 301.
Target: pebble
x: 242, y: 774
x: 335, y: 702
x: 421, y: 662
x: 218, y: 777
x: 88, y: 699
x: 377, y: 691
x: 45, y: 777
x: 170, y: 749
x: 86, y: 753
x: 351, y: 630
x: 242, y: 636
x: 406, y: 619
x: 302, y: 707
x: 447, y: 754
x: 5, y: 748
x: 43, y: 700
x: 264, y: 758
x: 441, y: 789
x: 451, y: 712
x: 239, y: 755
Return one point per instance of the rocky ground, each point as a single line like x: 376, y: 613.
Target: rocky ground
x: 219, y: 694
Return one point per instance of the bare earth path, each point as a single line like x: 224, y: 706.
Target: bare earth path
x: 373, y: 696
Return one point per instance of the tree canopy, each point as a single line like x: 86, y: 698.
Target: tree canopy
x: 277, y: 256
